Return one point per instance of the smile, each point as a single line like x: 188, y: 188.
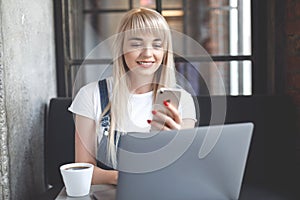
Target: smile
x: 145, y: 63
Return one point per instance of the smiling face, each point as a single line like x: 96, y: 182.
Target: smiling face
x: 143, y: 54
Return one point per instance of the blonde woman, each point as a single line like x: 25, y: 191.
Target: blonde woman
x: 143, y: 63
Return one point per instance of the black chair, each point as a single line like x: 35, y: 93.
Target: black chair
x: 59, y: 144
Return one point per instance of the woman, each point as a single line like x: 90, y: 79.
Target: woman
x: 143, y: 64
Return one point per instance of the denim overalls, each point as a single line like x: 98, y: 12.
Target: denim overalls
x: 102, y: 160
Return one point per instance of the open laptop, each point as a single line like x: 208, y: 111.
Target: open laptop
x: 201, y: 163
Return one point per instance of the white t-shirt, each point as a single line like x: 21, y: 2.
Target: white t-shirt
x: 87, y: 103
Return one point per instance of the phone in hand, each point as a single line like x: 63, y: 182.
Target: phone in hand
x: 171, y: 95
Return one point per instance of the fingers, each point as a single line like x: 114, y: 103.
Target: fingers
x: 163, y: 121
x: 158, y: 125
x: 174, y: 112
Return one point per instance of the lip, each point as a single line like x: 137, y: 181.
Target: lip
x: 145, y: 64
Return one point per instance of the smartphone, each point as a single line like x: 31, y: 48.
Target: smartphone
x: 171, y: 95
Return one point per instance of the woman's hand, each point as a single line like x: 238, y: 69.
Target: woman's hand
x: 167, y: 121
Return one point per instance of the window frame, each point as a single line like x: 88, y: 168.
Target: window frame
x: 262, y: 55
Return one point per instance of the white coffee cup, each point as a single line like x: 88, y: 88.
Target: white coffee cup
x: 77, y: 178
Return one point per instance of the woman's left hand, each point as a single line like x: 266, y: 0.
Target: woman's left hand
x: 167, y: 121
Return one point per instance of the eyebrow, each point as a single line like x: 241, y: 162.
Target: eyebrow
x: 140, y: 39
x: 135, y: 38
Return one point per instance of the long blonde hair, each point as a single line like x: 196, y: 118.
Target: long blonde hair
x: 140, y: 19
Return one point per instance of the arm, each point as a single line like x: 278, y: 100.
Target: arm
x: 85, y: 150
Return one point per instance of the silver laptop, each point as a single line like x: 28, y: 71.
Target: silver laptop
x: 201, y: 163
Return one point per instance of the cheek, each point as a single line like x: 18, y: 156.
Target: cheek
x: 160, y: 56
x: 129, y: 59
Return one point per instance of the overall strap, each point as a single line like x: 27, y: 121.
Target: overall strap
x: 102, y: 148
x: 104, y: 99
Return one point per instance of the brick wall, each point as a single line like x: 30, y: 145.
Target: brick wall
x: 292, y: 58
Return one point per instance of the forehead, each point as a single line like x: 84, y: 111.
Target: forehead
x: 144, y: 34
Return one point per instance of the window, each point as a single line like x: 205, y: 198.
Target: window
x: 222, y: 27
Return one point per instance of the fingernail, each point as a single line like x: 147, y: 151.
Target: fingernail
x: 166, y: 102
x: 154, y: 112
x: 149, y: 121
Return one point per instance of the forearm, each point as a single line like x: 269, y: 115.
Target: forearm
x: 101, y: 176
x: 85, y: 151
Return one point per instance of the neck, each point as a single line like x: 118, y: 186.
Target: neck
x: 141, y: 85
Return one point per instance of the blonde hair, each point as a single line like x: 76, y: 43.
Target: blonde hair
x: 136, y: 21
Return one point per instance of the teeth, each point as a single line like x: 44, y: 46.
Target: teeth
x: 144, y: 63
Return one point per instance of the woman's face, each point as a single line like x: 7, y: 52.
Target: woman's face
x: 143, y: 54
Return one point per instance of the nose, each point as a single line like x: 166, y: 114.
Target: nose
x: 147, y: 51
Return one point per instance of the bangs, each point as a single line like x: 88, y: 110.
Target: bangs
x: 155, y: 32
x: 141, y: 23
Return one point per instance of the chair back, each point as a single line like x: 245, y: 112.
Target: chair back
x: 59, y: 139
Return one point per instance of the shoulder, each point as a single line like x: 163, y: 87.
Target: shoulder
x: 84, y: 101
x: 89, y: 88
x: 184, y: 94
x: 188, y: 105
x: 93, y: 87
x: 186, y: 97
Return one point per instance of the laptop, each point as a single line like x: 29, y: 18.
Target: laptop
x: 201, y: 163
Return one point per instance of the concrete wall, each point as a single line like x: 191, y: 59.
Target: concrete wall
x: 29, y: 82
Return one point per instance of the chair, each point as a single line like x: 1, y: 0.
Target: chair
x: 59, y: 140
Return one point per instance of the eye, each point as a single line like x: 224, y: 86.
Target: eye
x: 157, y: 45
x: 135, y: 45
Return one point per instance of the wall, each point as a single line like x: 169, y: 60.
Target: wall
x: 27, y: 48
x: 292, y: 59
